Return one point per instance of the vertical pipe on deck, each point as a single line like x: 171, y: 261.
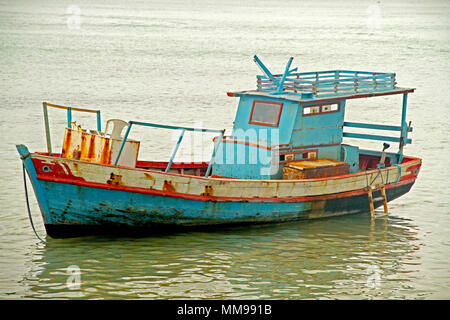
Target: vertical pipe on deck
x: 99, y: 121
x: 69, y: 116
x: 47, y: 129
x: 175, y: 150
x: 404, y: 128
x: 213, y: 156
x: 123, y: 142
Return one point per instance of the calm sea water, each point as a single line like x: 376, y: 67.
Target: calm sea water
x: 173, y: 63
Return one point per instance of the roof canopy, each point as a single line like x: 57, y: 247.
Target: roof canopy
x: 322, y: 85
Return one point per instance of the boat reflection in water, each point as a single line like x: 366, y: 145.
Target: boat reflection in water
x: 344, y: 257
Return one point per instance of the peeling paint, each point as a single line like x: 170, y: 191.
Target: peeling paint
x: 115, y: 179
x: 209, y: 191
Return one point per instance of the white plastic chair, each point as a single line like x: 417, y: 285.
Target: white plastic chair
x: 118, y: 126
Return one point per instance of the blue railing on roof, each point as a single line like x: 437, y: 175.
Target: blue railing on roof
x: 323, y: 83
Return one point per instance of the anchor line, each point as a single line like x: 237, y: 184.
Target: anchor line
x: 28, y: 203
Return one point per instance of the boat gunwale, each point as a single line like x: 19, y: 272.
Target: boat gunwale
x: 407, y: 160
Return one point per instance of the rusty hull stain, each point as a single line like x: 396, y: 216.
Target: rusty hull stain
x: 209, y: 191
x: 115, y: 179
x: 168, y: 186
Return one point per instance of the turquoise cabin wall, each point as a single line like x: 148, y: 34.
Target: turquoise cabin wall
x: 243, y: 162
x: 318, y: 129
x: 245, y: 155
x: 248, y: 157
x: 285, y: 126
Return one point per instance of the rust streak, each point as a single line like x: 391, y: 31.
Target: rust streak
x: 168, y: 186
x: 91, y: 151
x: 66, y: 143
x: 83, y: 142
x: 105, y: 156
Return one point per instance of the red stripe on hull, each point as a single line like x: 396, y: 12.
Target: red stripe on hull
x: 215, y: 198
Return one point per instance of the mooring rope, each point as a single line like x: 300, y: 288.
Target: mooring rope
x: 28, y: 203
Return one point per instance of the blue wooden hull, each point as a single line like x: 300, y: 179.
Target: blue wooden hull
x: 74, y: 210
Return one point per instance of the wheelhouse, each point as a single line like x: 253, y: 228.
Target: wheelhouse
x: 294, y: 117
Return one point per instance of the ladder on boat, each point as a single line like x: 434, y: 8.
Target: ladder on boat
x: 370, y: 190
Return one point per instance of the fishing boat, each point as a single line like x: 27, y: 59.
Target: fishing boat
x: 284, y: 160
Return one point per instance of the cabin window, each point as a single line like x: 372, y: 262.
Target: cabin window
x: 319, y: 109
x: 330, y: 107
x: 311, y: 110
x: 289, y: 156
x: 266, y: 113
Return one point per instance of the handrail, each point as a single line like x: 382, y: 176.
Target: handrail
x: 164, y: 126
x: 73, y: 108
x: 373, y: 137
x: 323, y: 83
x: 45, y: 106
x: 374, y: 126
x: 403, y: 129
